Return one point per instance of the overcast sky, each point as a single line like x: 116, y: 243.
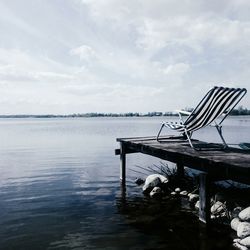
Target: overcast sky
x: 76, y: 56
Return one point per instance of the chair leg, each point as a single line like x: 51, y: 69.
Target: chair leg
x: 219, y: 129
x: 157, y: 138
x: 189, y: 139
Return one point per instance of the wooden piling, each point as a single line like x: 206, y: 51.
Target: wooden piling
x: 204, y: 211
x: 122, y: 165
x: 180, y: 170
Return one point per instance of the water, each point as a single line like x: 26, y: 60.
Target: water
x: 59, y: 188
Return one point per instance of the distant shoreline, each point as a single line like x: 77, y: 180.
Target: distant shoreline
x: 237, y: 112
x: 87, y: 115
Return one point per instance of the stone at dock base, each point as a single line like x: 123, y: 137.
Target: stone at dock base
x: 235, y: 223
x: 184, y: 193
x: 139, y: 181
x: 197, y: 205
x: 177, y: 190
x: 193, y: 198
x: 245, y: 242
x: 217, y: 208
x: 244, y: 215
x: 243, y: 229
x: 156, y: 192
x: 239, y: 246
x: 154, y: 180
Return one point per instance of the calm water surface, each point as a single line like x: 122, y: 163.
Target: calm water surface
x: 59, y: 188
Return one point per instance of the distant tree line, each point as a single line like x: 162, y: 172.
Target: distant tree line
x: 239, y: 111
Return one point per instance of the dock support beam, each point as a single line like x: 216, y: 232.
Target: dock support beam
x: 122, y: 165
x: 180, y: 170
x: 204, y: 213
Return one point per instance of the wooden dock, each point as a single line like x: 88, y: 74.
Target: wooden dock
x: 215, y: 163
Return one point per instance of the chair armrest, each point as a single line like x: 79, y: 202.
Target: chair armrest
x: 184, y: 112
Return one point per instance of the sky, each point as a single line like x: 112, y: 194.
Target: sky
x: 78, y: 56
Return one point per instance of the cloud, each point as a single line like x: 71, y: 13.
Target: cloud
x: 86, y: 53
x: 179, y: 69
x: 115, y: 56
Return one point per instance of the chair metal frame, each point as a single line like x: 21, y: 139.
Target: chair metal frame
x: 187, y: 132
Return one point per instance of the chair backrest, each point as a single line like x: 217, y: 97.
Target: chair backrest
x: 218, y: 101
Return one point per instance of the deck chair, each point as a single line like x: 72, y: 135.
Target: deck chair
x: 212, y: 110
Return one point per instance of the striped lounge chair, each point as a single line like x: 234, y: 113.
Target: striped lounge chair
x: 217, y: 103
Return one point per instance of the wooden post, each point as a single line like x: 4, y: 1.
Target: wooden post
x: 204, y: 213
x: 180, y: 170
x: 122, y: 165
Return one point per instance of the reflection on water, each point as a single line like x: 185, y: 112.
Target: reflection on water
x: 172, y: 223
x: 59, y: 188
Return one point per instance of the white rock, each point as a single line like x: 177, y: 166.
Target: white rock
x: 193, y: 198
x: 155, y: 192
x: 190, y: 194
x: 236, y: 240
x: 163, y: 178
x: 235, y: 223
x: 197, y: 205
x: 184, y: 193
x: 173, y: 193
x: 243, y: 229
x: 177, y: 190
x: 245, y: 242
x: 152, y: 181
x: 239, y: 246
x: 244, y: 215
x: 217, y: 208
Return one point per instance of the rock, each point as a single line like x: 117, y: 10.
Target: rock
x: 217, y: 208
x: 150, y: 183
x: 244, y: 215
x: 239, y: 246
x: 139, y: 181
x: 193, y: 198
x: 173, y: 193
x: 235, y: 223
x: 177, y: 190
x: 235, y: 212
x: 184, y: 193
x: 243, y: 229
x: 236, y: 240
x: 197, y: 205
x: 153, y: 180
x: 245, y: 242
x: 190, y: 194
x: 156, y: 192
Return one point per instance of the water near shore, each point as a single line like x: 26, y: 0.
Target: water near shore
x: 59, y: 188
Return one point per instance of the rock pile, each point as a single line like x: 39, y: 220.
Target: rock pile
x: 241, y: 224
x: 192, y: 197
x: 153, y: 184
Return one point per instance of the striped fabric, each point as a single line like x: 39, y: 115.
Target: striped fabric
x: 218, y: 101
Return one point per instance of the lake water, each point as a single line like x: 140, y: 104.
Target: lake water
x: 59, y: 187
